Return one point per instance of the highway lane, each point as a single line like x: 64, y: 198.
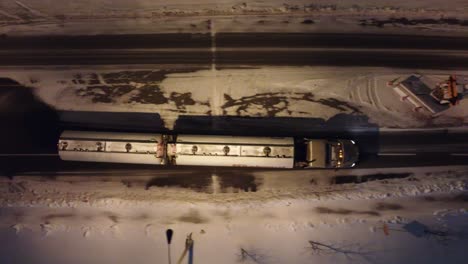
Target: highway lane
x: 408, y: 59
x: 52, y: 165
x: 234, y: 49
x: 323, y: 40
x: 432, y: 59
x: 394, y: 150
x: 420, y: 142
x: 235, y: 40
x: 138, y: 41
x: 37, y: 131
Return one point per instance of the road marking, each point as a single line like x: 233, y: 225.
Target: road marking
x: 216, y: 98
x: 459, y: 154
x: 26, y: 154
x: 448, y: 130
x: 396, y: 154
x: 14, y: 52
x: 213, y: 44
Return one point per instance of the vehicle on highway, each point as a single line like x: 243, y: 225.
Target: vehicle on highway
x: 207, y: 150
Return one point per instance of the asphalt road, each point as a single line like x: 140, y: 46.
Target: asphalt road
x: 232, y: 57
x: 223, y: 40
x: 379, y: 149
x: 232, y: 50
x: 34, y: 129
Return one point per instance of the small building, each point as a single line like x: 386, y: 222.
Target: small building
x: 417, y: 91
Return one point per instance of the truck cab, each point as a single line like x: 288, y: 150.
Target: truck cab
x: 338, y: 153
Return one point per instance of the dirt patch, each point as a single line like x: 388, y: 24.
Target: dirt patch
x: 141, y: 217
x: 308, y: 22
x: 90, y: 79
x: 403, y: 21
x: 182, y: 99
x: 319, y: 7
x: 193, y: 216
x: 275, y: 103
x: 51, y: 217
x: 93, y: 79
x: 225, y: 214
x: 149, y: 94
x: 104, y: 94
x: 343, y: 179
x: 384, y: 176
x: 463, y: 197
x: 341, y: 211
x: 114, y: 218
x: 138, y: 76
x: 131, y: 87
x: 235, y: 182
x: 195, y: 181
x: 339, y: 105
x: 387, y: 207
x: 228, y: 182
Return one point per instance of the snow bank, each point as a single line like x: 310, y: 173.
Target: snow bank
x: 145, y: 16
x: 281, y: 223
x: 296, y: 92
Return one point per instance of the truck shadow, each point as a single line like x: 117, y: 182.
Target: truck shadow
x: 111, y: 121
x: 346, y: 126
x: 28, y: 124
x: 208, y: 181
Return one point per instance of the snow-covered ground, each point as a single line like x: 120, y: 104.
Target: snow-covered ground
x: 32, y: 17
x: 399, y: 215
x: 297, y: 92
x: 283, y: 217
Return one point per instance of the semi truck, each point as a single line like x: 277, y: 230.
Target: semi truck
x: 207, y: 150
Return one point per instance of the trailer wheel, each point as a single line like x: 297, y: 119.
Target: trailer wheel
x: 226, y: 150
x: 64, y: 145
x: 99, y: 146
x: 267, y: 151
x: 128, y: 147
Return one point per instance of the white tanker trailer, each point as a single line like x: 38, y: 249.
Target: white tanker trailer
x: 207, y: 150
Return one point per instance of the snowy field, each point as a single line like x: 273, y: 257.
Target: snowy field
x: 32, y: 17
x: 401, y: 216
x: 297, y: 92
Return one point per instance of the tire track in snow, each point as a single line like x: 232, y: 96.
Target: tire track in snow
x: 369, y: 92
x: 4, y: 13
x: 379, y: 101
x: 358, y: 91
x: 31, y: 10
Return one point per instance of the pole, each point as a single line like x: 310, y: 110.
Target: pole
x: 189, y: 249
x: 190, y: 253
x: 169, y: 233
